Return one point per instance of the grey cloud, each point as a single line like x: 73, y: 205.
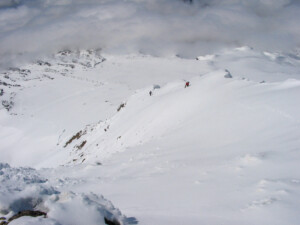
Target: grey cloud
x: 29, y: 28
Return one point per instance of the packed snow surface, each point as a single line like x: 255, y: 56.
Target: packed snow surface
x: 224, y: 150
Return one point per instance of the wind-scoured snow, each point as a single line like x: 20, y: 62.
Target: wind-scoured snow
x: 224, y: 150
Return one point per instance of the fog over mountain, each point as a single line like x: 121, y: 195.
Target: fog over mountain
x: 30, y: 28
x: 141, y: 112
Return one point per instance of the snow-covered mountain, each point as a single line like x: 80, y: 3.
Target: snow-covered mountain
x: 224, y: 150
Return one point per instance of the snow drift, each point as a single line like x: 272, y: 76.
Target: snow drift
x: 24, y: 189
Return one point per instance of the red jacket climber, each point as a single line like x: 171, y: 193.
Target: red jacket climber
x: 187, y: 84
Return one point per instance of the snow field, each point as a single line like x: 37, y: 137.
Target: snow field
x: 222, y: 151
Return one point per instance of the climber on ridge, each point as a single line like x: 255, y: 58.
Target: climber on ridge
x: 187, y: 84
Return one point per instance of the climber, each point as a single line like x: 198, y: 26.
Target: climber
x: 187, y: 84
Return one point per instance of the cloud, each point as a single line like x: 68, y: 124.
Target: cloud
x: 30, y: 28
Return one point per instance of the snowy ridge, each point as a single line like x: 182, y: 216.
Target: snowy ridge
x: 230, y: 102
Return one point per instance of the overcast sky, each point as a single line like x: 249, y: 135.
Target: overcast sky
x: 30, y: 28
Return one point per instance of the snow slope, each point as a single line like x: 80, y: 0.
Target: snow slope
x: 223, y: 151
